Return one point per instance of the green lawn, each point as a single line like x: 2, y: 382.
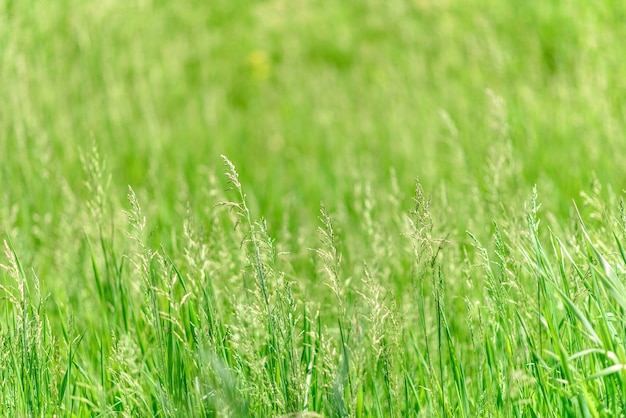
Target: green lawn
x: 211, y: 208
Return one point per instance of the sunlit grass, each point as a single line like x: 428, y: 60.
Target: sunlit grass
x: 212, y: 209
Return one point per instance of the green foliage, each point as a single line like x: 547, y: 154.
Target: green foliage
x: 133, y: 284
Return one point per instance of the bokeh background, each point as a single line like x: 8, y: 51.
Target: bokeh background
x: 309, y: 99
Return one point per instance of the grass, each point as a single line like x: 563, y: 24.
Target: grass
x: 212, y: 209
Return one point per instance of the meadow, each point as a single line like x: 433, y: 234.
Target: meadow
x: 310, y: 208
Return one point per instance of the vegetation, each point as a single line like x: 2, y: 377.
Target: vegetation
x: 211, y: 209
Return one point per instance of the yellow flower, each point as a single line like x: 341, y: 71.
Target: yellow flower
x: 259, y: 64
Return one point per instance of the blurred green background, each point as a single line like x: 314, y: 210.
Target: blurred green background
x: 309, y: 98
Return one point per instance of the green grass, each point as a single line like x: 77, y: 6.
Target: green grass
x: 307, y: 273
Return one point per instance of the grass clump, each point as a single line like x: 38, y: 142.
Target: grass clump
x: 224, y: 323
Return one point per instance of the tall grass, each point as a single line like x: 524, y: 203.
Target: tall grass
x: 312, y: 275
x: 227, y: 325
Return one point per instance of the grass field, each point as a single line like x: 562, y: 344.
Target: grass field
x: 312, y: 208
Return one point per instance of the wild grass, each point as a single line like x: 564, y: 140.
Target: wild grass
x: 418, y: 209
